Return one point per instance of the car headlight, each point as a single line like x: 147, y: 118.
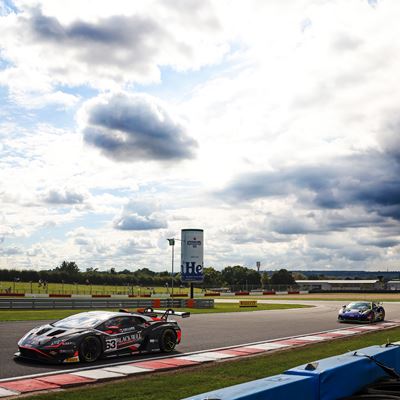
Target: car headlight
x: 32, y: 331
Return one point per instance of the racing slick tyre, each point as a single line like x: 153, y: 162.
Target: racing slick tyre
x: 371, y: 317
x: 382, y: 316
x: 167, y: 341
x: 89, y: 349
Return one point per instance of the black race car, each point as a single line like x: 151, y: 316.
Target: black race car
x: 91, y: 335
x: 362, y: 311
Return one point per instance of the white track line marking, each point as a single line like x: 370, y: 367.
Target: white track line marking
x: 215, y: 355
x: 268, y: 346
x: 197, y: 357
x: 98, y: 374
x: 128, y: 369
x: 346, y: 332
x: 6, y: 393
x: 313, y: 338
x: 368, y: 328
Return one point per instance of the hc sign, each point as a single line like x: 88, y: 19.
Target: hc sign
x: 190, y: 272
x: 192, y: 255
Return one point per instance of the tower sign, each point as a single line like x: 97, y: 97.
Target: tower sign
x: 192, y: 252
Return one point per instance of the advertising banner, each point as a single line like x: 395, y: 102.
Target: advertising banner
x: 192, y: 252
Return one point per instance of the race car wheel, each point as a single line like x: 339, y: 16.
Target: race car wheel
x: 89, y: 349
x: 371, y: 317
x: 167, y: 341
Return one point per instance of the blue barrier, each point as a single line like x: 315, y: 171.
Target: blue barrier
x: 328, y: 379
x: 341, y: 376
x: 278, y: 387
x: 389, y: 355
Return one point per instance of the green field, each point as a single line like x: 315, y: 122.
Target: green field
x: 179, y: 384
x: 69, y: 288
x: 36, y: 315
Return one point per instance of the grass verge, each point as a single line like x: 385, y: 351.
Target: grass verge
x: 41, y: 315
x: 70, y: 288
x: 184, y: 383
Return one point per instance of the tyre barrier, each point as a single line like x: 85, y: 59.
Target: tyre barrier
x: 386, y: 389
x: 332, y: 378
x: 390, y: 387
x: 373, y: 397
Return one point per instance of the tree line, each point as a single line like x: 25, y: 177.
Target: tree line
x: 69, y: 272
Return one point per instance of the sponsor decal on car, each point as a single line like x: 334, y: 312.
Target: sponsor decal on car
x: 122, y: 341
x: 72, y: 359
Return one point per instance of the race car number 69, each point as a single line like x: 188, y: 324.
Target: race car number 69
x: 111, y: 344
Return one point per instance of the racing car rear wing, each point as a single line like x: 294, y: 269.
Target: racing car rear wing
x: 170, y: 311
x: 164, y: 313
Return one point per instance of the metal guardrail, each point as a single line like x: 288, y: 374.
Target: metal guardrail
x: 76, y: 303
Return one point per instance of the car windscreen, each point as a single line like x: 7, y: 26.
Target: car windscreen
x: 83, y: 320
x: 359, y: 306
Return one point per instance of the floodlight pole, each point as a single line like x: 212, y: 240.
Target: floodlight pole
x: 172, y: 278
x: 172, y: 243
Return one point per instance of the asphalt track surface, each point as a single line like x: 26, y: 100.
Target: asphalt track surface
x: 200, y: 332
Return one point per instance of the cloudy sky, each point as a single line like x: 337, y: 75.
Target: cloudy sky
x: 273, y: 125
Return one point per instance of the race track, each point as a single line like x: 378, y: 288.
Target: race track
x: 201, y: 332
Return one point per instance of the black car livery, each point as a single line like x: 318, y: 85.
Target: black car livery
x: 91, y: 335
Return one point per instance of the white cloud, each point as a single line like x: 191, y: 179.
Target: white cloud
x: 140, y: 216
x: 67, y: 45
x: 293, y: 106
x: 134, y: 128
x: 63, y: 196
